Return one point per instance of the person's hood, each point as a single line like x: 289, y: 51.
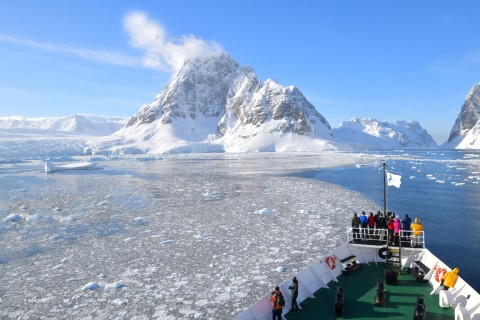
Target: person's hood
x: 456, y: 270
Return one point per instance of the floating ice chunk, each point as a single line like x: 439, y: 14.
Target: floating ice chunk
x: 24, y: 207
x: 212, y: 195
x: 130, y: 239
x: 75, y: 279
x: 38, y: 217
x: 88, y: 151
x: 457, y: 184
x: 91, y: 286
x: 56, y: 209
x: 199, y: 315
x: 139, y: 221
x: 146, y: 159
x: 68, y: 219
x: 307, y: 211
x: 263, y: 211
x: 12, y: 218
x: 120, y: 302
x: 412, y: 177
x: 114, y: 286
x: 55, y: 237
x: 281, y: 269
x: 201, y: 235
x: 439, y: 181
x: 168, y: 242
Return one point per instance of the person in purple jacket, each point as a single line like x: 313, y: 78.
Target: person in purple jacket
x: 397, y: 226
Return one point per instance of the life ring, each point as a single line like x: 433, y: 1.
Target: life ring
x: 331, y: 262
x: 439, y: 273
x: 384, y: 253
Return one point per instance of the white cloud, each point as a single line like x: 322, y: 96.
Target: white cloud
x: 95, y: 55
x: 161, y: 52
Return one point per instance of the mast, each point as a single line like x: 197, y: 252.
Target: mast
x: 384, y: 188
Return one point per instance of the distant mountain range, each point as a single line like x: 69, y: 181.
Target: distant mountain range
x: 76, y: 124
x: 213, y: 104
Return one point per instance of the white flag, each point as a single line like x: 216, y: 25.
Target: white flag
x: 393, y: 180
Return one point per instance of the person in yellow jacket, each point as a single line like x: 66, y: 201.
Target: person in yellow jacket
x: 450, y: 278
x: 417, y: 229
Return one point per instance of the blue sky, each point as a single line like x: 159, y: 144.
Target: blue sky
x: 390, y: 60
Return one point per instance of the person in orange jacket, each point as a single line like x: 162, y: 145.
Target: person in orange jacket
x: 417, y: 229
x: 277, y: 308
x: 450, y: 279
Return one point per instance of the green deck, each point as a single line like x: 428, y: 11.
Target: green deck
x: 359, y: 290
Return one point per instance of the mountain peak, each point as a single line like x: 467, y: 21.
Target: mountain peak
x: 213, y: 97
x: 468, y: 116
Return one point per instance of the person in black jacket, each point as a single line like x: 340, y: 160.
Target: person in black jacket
x: 294, y: 288
x: 382, y: 225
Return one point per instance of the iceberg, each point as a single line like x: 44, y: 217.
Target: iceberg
x: 50, y: 167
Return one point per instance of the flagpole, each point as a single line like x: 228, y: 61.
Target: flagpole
x: 384, y: 188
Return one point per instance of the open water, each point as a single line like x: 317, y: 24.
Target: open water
x: 441, y: 187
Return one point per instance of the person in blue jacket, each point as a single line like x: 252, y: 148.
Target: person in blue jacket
x: 364, y: 224
x: 406, y: 223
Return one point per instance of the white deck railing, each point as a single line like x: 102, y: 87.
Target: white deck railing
x: 406, y: 238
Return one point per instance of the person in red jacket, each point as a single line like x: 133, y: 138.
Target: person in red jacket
x: 277, y: 308
x: 391, y: 228
x: 371, y: 224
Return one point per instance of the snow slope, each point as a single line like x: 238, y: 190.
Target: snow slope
x: 379, y: 135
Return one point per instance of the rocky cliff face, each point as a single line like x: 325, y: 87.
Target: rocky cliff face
x: 468, y: 117
x: 200, y: 88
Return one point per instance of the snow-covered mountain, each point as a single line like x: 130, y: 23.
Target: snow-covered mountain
x: 75, y: 124
x: 376, y: 135
x: 465, y: 133
x: 213, y: 104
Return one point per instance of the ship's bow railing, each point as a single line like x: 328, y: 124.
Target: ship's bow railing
x: 377, y: 236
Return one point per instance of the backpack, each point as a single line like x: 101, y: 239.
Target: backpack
x: 280, y: 300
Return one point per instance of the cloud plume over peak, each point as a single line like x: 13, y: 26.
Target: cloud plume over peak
x: 160, y: 52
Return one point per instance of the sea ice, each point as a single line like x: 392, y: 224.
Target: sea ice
x: 153, y: 225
